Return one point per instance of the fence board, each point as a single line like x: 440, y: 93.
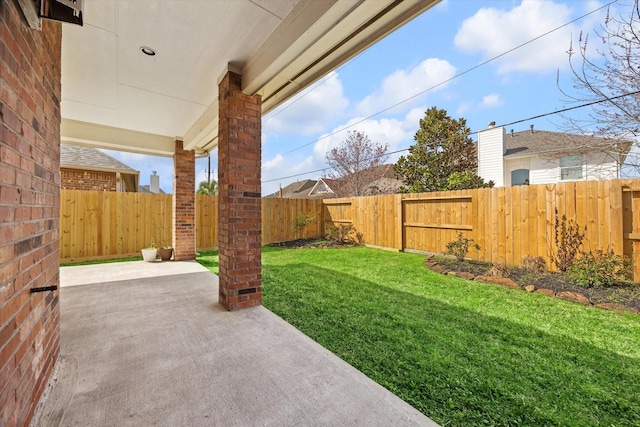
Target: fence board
x: 525, y: 233
x: 616, y: 219
x: 512, y: 227
x: 604, y: 215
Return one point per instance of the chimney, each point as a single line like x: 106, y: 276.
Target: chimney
x: 491, y: 147
x: 154, y: 183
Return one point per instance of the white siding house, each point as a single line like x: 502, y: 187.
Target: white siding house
x: 543, y: 157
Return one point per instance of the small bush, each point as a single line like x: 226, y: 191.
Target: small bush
x: 568, y: 239
x: 599, y: 269
x: 301, y: 223
x: 498, y: 269
x: 534, y: 264
x: 460, y: 247
x: 344, y: 235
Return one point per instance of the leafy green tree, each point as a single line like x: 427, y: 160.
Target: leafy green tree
x: 208, y: 187
x: 443, y: 157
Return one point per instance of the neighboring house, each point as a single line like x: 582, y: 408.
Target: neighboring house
x: 543, y: 157
x: 325, y: 188
x: 382, y: 178
x: 86, y: 168
x: 147, y: 189
x: 296, y: 190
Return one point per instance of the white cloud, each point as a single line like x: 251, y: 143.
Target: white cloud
x: 488, y: 102
x: 397, y: 133
x: 310, y: 111
x: 492, y: 32
x: 274, y: 163
x: 405, y: 84
x: 492, y: 100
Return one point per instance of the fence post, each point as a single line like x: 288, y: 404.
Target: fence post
x: 399, y: 223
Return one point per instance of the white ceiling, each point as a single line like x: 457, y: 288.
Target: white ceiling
x: 116, y: 97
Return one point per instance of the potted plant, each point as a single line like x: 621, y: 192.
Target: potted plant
x: 165, y: 253
x: 149, y: 254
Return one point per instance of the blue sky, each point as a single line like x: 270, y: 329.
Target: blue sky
x: 432, y: 61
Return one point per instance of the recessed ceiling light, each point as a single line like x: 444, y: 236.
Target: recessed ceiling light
x: 148, y: 51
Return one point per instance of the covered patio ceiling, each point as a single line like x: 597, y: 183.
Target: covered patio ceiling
x: 117, y: 97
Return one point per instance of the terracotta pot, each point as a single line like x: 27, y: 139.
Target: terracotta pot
x: 165, y: 254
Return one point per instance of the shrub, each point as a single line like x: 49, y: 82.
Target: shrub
x: 599, y: 269
x: 498, y: 269
x: 534, y: 264
x: 568, y: 239
x: 344, y: 235
x: 301, y: 223
x: 460, y: 247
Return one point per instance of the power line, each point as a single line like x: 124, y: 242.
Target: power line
x: 588, y: 104
x: 342, y: 129
x: 564, y: 110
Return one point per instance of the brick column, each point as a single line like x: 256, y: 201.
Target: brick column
x: 29, y: 211
x: 184, y: 204
x: 239, y: 202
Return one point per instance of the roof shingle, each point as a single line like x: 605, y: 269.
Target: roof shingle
x: 536, y: 142
x: 74, y: 156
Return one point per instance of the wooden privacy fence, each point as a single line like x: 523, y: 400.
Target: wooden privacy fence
x: 103, y: 224
x: 508, y: 223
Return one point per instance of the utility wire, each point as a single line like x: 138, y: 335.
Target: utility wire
x: 342, y: 129
x: 588, y: 104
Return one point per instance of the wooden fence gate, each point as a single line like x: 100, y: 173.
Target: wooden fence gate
x: 631, y: 226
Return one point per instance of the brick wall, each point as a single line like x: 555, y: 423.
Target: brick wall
x: 184, y: 204
x: 239, y: 202
x: 74, y: 179
x: 29, y: 211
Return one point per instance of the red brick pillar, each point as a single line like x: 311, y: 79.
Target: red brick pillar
x: 29, y: 211
x: 239, y: 202
x: 184, y: 204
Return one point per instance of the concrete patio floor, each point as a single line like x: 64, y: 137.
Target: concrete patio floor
x: 148, y: 344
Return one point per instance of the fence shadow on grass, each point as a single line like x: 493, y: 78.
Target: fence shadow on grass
x: 457, y: 366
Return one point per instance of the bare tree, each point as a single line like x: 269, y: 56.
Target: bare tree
x: 356, y: 163
x: 606, y: 75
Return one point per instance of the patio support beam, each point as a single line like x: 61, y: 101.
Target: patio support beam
x: 184, y: 204
x: 239, y: 198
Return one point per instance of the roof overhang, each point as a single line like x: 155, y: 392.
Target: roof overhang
x: 125, y: 101
x: 112, y: 138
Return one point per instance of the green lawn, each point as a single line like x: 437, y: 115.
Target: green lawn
x: 463, y: 353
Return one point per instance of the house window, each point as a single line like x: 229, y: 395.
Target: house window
x: 520, y: 177
x: 571, y: 167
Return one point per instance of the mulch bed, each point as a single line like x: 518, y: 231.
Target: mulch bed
x: 309, y: 244
x: 623, y: 296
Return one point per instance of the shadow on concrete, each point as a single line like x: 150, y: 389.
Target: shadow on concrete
x: 160, y: 350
